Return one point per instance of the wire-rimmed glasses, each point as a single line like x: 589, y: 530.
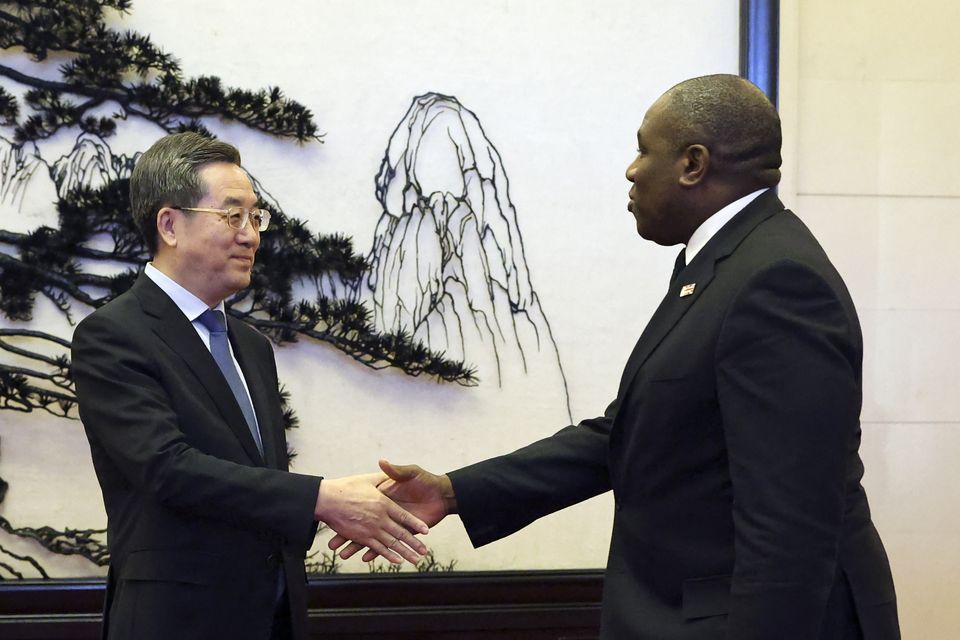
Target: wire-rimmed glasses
x: 237, y: 217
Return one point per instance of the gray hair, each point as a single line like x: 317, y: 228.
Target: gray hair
x: 168, y: 174
x: 734, y: 120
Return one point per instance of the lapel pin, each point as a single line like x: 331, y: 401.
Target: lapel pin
x: 687, y: 290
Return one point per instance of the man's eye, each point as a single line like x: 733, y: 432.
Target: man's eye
x: 236, y: 218
x: 256, y: 217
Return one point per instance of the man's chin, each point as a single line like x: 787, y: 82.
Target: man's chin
x: 240, y: 282
x: 645, y: 233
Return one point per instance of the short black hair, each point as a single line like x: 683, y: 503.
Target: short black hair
x: 168, y: 173
x: 732, y: 118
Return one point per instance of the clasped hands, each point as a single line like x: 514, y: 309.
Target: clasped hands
x: 383, y: 512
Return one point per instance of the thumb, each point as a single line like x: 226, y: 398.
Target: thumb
x: 400, y: 472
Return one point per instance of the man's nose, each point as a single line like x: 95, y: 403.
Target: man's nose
x: 249, y: 236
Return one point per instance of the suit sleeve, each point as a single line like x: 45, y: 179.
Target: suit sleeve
x: 788, y: 379
x: 502, y: 495
x: 130, y: 422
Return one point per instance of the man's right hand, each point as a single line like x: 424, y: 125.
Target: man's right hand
x: 357, y: 509
x: 427, y: 496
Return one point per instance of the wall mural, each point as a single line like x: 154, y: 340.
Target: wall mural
x: 444, y: 292
x: 447, y: 260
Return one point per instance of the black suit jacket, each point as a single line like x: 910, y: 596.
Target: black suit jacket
x: 732, y: 452
x: 198, y: 521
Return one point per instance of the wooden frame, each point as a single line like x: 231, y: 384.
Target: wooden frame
x: 505, y: 604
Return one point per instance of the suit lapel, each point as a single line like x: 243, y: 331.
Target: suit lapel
x: 175, y: 330
x: 668, y: 314
x: 699, y: 273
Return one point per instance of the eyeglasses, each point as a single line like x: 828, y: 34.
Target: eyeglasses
x: 237, y: 217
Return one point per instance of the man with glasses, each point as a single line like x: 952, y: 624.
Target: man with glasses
x: 206, y: 527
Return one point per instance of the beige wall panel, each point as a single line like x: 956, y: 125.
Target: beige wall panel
x: 879, y: 39
x: 894, y: 253
x: 873, y: 89
x: 910, y: 474
x: 849, y: 230
x: 869, y: 137
x: 911, y: 366
x: 878, y: 89
x: 926, y: 570
x: 911, y: 470
x: 918, y: 262
x: 918, y: 138
x: 838, y: 144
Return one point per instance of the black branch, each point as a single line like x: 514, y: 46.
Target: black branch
x: 128, y: 71
x: 104, y: 77
x: 87, y: 543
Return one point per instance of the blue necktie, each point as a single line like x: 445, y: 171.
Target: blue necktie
x: 214, y: 321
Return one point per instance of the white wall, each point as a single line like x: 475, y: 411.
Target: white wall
x: 560, y: 88
x: 871, y: 92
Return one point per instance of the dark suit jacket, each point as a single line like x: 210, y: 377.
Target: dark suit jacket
x: 732, y: 452
x: 198, y: 521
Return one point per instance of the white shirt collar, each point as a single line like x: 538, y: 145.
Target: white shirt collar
x: 715, y: 222
x: 189, y: 304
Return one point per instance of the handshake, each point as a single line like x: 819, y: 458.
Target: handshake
x: 383, y: 512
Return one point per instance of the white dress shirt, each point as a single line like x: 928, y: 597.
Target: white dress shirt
x: 715, y: 222
x: 192, y: 307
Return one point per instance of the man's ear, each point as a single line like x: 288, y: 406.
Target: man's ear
x: 166, y: 227
x: 695, y: 162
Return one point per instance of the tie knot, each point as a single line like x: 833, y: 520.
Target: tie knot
x: 213, y: 320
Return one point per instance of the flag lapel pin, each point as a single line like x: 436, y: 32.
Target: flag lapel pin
x: 687, y: 290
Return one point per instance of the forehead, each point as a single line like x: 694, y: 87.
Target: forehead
x: 226, y: 184
x: 656, y: 123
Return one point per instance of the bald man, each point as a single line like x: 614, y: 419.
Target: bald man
x: 732, y: 444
